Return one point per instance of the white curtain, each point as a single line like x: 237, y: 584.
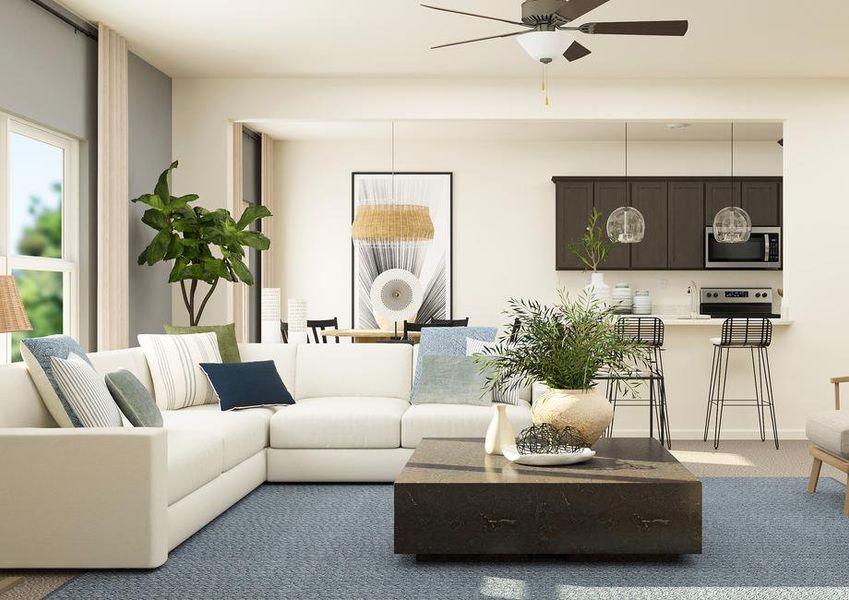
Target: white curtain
x: 112, y: 192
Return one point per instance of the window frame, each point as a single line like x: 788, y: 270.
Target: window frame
x: 68, y: 264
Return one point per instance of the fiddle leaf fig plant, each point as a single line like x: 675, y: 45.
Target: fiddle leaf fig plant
x: 205, y: 245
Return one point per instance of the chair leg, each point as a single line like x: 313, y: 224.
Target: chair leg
x: 713, y: 372
x: 759, y: 392
x: 720, y: 407
x: 816, y: 467
x: 769, y: 395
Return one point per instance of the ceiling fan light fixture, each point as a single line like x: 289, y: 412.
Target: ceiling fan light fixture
x: 545, y: 46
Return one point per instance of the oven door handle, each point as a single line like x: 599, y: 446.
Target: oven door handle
x: 766, y: 247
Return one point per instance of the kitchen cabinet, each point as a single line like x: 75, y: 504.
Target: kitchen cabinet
x: 676, y: 210
x: 685, y: 231
x: 574, y: 205
x: 718, y: 195
x: 608, y: 196
x: 649, y: 197
x: 761, y: 200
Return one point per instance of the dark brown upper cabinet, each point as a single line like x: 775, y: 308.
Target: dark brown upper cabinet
x: 574, y: 205
x: 649, y: 197
x: 718, y: 195
x: 761, y: 200
x: 686, y: 206
x: 676, y: 210
x: 610, y: 195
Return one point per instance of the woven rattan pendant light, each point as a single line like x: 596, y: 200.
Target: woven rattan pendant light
x: 394, y: 222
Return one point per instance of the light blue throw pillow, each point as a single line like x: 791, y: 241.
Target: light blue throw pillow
x: 451, y: 380
x: 448, y: 341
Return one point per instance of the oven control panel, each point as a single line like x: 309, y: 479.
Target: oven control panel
x: 736, y: 295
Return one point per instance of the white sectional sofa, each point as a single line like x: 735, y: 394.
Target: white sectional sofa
x: 124, y: 497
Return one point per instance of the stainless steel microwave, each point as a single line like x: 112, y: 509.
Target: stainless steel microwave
x: 761, y: 251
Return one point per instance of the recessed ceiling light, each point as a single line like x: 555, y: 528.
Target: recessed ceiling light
x: 677, y: 125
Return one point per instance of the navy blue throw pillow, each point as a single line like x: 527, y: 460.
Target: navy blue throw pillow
x: 247, y: 384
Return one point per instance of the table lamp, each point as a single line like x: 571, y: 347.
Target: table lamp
x: 12, y: 314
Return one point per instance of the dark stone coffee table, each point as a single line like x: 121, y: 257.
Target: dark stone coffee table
x: 634, y: 497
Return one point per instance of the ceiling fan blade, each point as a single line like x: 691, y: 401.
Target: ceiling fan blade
x: 491, y: 37
x: 468, y: 14
x: 637, y: 28
x: 575, y: 51
x: 575, y: 9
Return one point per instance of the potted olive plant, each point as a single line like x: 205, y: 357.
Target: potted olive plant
x: 591, y: 251
x: 565, y: 347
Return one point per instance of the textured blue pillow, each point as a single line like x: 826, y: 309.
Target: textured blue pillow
x: 247, y: 385
x: 448, y: 341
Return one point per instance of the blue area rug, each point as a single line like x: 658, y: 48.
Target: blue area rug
x: 763, y: 538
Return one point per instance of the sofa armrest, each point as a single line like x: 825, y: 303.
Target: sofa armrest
x: 83, y: 498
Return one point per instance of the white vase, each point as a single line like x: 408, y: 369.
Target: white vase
x: 500, y: 432
x: 598, y: 289
x: 587, y: 411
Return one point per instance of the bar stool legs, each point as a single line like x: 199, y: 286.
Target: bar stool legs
x: 763, y: 400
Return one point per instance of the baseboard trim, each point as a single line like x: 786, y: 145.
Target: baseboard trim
x: 727, y: 434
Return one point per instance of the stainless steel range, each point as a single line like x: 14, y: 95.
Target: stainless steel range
x: 736, y: 302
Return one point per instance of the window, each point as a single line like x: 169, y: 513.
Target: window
x: 38, y: 228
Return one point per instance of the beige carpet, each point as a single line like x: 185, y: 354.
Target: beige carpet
x: 733, y: 459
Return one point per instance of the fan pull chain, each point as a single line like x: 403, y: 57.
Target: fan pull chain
x: 545, y: 84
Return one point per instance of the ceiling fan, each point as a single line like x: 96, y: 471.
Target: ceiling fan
x: 548, y: 34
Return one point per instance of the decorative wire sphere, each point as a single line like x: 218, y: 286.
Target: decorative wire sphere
x: 732, y: 225
x: 626, y: 225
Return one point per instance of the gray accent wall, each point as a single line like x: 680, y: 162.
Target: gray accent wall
x: 48, y: 76
x: 150, y: 154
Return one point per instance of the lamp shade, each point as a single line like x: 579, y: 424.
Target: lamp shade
x: 12, y: 314
x: 380, y: 223
x: 396, y: 295
x: 545, y: 46
x: 626, y: 225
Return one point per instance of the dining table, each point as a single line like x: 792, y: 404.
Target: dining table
x: 365, y: 336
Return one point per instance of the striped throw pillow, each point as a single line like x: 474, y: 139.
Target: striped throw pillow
x: 178, y: 381
x: 86, y: 392
x: 510, y: 396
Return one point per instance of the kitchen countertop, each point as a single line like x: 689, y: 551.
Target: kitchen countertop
x: 676, y: 320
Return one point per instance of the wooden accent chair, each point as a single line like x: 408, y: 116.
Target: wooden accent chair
x: 829, y: 432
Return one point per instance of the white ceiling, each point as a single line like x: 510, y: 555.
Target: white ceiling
x: 551, y: 131
x: 390, y: 38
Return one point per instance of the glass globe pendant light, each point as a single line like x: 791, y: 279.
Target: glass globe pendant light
x: 626, y: 224
x: 732, y: 224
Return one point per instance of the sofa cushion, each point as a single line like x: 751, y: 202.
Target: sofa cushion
x: 86, y: 392
x: 334, y: 422
x: 830, y: 431
x: 178, y: 381
x: 456, y: 421
x: 283, y: 355
x: 241, y: 434
x: 247, y: 384
x: 226, y: 335
x: 336, y: 370
x: 130, y: 359
x: 133, y: 399
x: 194, y: 459
x: 38, y: 354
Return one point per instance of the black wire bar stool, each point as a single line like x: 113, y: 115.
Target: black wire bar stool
x: 649, y: 333
x: 754, y: 335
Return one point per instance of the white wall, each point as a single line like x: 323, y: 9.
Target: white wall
x: 503, y: 213
x: 816, y: 133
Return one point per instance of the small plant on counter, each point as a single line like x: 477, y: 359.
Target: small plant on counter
x: 205, y: 245
x: 594, y: 244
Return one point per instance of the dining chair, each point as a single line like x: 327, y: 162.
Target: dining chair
x: 320, y: 325
x: 284, y: 331
x: 413, y: 326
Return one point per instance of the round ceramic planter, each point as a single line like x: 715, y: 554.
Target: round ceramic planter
x: 587, y: 411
